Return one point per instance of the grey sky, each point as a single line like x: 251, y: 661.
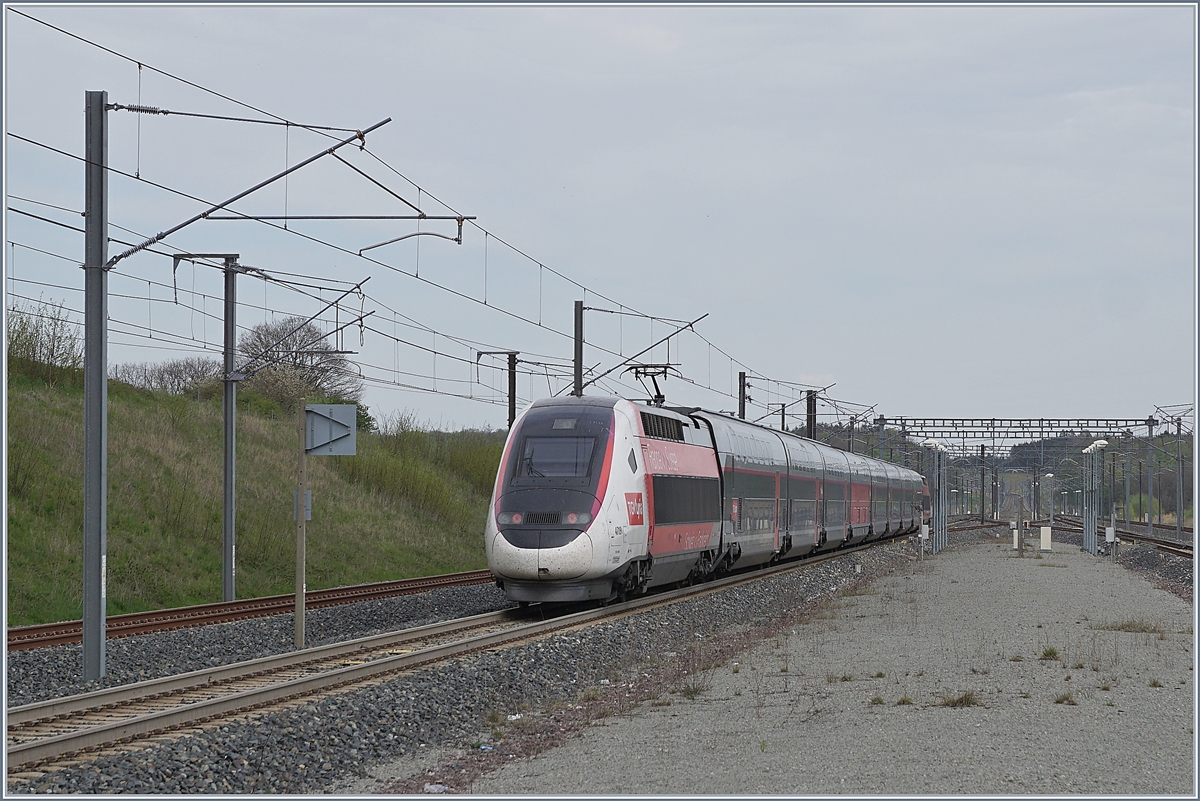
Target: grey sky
x: 968, y: 211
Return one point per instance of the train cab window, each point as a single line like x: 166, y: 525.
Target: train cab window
x: 560, y: 446
x: 556, y: 457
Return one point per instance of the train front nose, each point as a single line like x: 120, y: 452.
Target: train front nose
x: 542, y: 554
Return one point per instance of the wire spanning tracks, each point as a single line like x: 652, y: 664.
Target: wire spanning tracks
x: 45, y: 732
x: 50, y: 730
x: 22, y: 638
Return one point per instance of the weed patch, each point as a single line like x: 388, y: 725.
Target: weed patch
x: 969, y: 698
x: 1131, y: 626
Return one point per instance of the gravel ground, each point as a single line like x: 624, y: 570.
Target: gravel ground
x: 427, y: 727
x: 876, y: 672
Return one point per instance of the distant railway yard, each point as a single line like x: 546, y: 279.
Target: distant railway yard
x: 453, y: 689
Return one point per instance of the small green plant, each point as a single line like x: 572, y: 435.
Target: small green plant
x: 881, y: 675
x: 830, y: 678
x: 1065, y: 698
x: 905, y: 700
x: 877, y: 701
x: 590, y: 694
x: 762, y: 746
x: 495, y: 717
x: 969, y: 698
x: 1155, y: 683
x: 846, y: 677
x: 1131, y: 626
x: 1048, y: 653
x: 1017, y: 658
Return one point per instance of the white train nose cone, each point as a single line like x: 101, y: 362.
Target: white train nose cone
x: 567, y: 562
x: 558, y: 563
x: 512, y: 562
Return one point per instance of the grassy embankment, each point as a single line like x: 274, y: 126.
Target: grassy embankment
x: 411, y: 503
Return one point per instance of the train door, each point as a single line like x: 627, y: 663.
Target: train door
x: 804, y: 520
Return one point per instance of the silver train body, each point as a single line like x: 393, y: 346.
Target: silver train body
x: 598, y: 498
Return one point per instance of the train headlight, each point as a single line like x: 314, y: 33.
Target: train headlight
x: 507, y: 518
x: 578, y: 518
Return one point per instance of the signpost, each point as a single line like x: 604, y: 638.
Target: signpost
x: 322, y: 430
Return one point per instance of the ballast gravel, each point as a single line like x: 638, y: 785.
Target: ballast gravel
x: 692, y: 699
x: 42, y: 673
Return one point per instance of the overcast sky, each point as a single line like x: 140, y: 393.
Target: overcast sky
x: 943, y: 211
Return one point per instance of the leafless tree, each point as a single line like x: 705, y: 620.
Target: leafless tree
x: 301, y: 362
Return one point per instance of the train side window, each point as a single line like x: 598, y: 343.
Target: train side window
x: 684, y: 499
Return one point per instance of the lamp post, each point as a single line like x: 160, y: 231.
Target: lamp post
x: 1094, y: 491
x: 1050, y: 494
x: 938, y: 494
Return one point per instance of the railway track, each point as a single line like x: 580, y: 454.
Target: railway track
x: 24, y: 637
x: 1171, y: 546
x: 1075, y: 525
x: 47, y: 732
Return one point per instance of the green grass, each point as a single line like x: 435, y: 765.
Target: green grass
x: 411, y: 502
x: 1132, y: 626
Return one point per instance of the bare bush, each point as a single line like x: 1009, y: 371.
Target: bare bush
x: 43, y: 340
x: 176, y: 377
x: 280, y: 383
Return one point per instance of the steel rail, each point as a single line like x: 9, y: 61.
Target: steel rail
x: 43, y: 635
x: 1171, y: 546
x: 110, y: 701
x: 32, y: 753
x: 1163, y: 526
x: 169, y: 685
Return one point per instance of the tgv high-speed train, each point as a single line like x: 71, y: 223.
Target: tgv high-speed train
x: 599, y: 498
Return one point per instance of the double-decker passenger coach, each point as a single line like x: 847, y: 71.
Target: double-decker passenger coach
x: 599, y: 498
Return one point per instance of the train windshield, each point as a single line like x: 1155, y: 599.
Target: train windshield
x: 560, y: 446
x: 556, y: 457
